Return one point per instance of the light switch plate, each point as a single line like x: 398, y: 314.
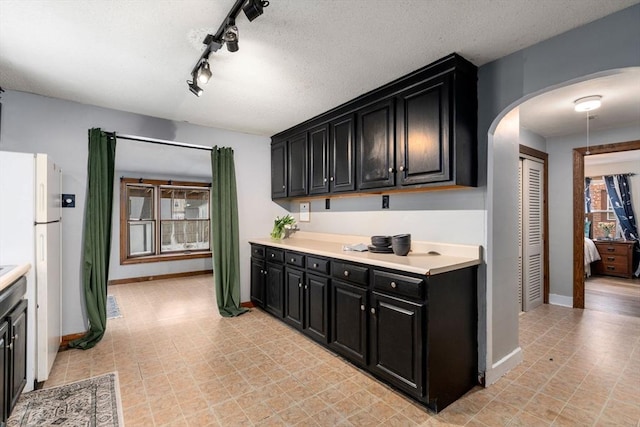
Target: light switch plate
x: 305, y: 215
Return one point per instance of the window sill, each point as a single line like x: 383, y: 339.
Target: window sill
x: 165, y: 257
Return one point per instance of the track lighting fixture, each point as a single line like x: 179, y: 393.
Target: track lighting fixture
x: 254, y: 8
x: 227, y: 34
x: 230, y: 36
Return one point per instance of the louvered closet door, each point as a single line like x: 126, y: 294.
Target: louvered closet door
x: 520, y: 279
x: 532, y: 228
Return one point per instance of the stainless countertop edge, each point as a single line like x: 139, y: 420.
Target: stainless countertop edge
x: 459, y: 263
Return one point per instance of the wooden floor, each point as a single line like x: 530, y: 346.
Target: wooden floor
x: 613, y: 295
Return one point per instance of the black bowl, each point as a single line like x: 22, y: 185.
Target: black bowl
x: 401, y: 249
x: 401, y: 238
x: 381, y: 241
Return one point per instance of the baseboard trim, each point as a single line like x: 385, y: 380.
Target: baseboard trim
x: 66, y: 339
x: 561, y: 300
x: 159, y: 277
x: 247, y: 304
x: 502, y: 366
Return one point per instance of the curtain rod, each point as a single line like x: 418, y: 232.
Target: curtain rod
x: 162, y: 142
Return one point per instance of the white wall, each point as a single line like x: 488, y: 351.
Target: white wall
x: 561, y: 201
x: 33, y: 123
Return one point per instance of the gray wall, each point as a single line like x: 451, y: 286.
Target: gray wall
x: 561, y: 201
x: 33, y: 123
x: 607, y: 44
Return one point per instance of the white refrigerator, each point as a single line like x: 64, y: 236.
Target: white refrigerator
x: 30, y: 231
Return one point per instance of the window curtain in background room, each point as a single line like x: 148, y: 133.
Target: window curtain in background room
x: 619, y: 192
x: 587, y: 195
x: 224, y: 229
x: 97, y: 234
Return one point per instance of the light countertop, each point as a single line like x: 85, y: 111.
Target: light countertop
x: 425, y: 258
x: 13, y: 274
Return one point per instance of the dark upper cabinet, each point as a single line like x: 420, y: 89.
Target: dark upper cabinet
x: 297, y: 157
x: 278, y: 169
x: 343, y: 155
x: 423, y: 133
x: 319, y: 160
x: 376, y: 146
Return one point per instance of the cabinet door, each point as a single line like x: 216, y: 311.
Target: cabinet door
x: 274, y: 289
x: 278, y: 169
x: 424, y: 140
x: 376, y: 146
x: 257, y: 282
x: 316, y: 299
x: 293, y: 296
x: 17, y: 352
x: 319, y: 160
x: 297, y: 164
x: 349, y: 321
x: 343, y: 158
x: 4, y: 362
x: 396, y: 342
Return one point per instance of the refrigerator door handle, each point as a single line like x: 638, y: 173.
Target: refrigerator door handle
x: 42, y: 248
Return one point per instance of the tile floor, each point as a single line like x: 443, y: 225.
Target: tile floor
x: 180, y: 364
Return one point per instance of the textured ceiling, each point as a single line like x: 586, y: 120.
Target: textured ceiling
x: 300, y: 58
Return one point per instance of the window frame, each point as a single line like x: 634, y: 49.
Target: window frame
x: 157, y: 220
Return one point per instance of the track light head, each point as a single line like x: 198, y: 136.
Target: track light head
x: 204, y: 72
x: 230, y: 37
x: 194, y: 88
x: 254, y: 8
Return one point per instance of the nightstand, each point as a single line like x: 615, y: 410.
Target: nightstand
x: 617, y: 258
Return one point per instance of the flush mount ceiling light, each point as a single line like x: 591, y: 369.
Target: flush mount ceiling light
x: 227, y: 34
x: 588, y: 103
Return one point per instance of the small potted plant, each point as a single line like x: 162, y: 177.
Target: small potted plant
x: 280, y: 225
x: 607, y: 228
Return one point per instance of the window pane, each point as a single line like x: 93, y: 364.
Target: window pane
x: 140, y: 202
x: 184, y: 203
x: 141, y: 238
x: 184, y: 235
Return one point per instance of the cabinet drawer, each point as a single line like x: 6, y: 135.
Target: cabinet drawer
x: 350, y: 272
x: 607, y: 258
x: 275, y: 255
x: 294, y: 258
x: 397, y: 284
x: 257, y: 251
x: 605, y: 249
x: 319, y: 265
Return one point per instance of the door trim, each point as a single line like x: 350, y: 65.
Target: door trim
x: 578, y: 210
x: 544, y: 157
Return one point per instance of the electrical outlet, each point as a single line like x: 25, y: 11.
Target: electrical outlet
x: 385, y: 202
x: 327, y: 203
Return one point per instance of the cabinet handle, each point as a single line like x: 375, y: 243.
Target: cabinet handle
x: 402, y: 168
x: 283, y: 187
x: 10, y: 346
x: 611, y: 258
x: 315, y: 265
x: 299, y: 285
x: 273, y: 255
x: 324, y: 180
x: 265, y: 272
x: 373, y: 310
x: 346, y: 273
x: 611, y: 249
x: 393, y: 285
x: 391, y: 170
x: 362, y: 307
x: 293, y: 260
x: 306, y: 287
x: 610, y: 267
x: 331, y: 179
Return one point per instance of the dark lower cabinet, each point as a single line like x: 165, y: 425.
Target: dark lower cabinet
x: 349, y: 321
x: 294, y: 297
x: 258, y: 275
x: 13, y: 345
x: 274, y: 289
x: 396, y: 342
x: 316, y: 305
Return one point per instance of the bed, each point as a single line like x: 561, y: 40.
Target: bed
x: 590, y: 255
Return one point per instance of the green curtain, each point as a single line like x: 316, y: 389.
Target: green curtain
x: 97, y: 234
x: 224, y: 220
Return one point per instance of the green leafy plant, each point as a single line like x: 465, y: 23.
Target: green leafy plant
x: 280, y: 224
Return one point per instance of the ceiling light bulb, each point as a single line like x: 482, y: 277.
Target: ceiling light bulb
x: 204, y: 73
x: 230, y: 37
x: 194, y: 88
x: 587, y: 103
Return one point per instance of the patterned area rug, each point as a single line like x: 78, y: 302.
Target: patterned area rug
x: 113, y: 311
x: 91, y: 402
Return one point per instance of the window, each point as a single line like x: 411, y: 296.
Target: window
x: 601, y: 208
x: 163, y: 220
